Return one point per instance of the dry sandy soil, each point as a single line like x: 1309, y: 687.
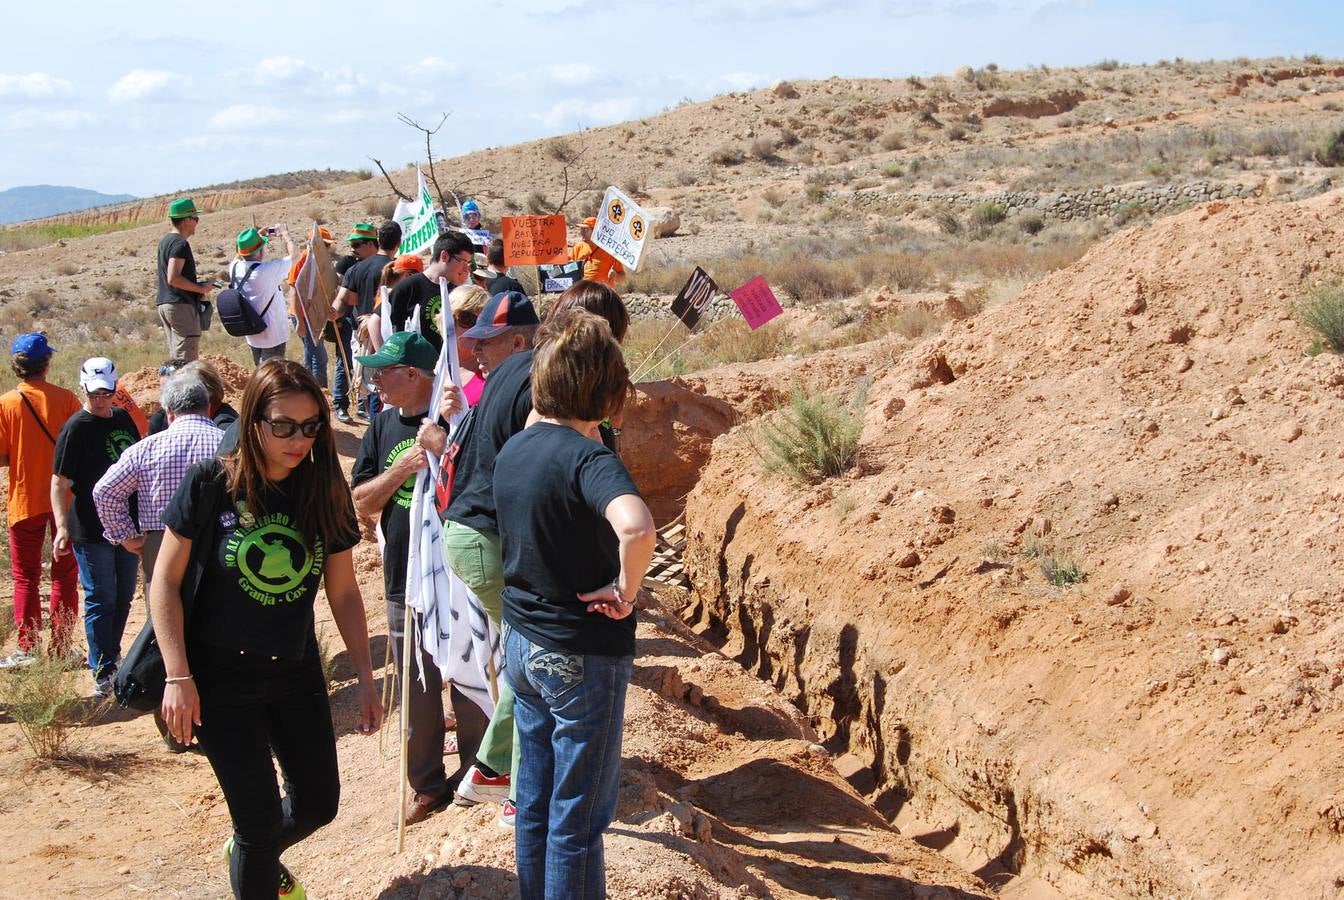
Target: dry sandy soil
x: 873, y: 669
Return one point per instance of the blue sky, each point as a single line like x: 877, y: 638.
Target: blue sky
x: 148, y: 98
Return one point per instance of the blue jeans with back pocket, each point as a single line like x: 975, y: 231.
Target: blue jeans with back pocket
x: 569, y: 709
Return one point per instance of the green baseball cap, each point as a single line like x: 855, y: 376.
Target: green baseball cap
x: 362, y: 231
x: 250, y: 241
x: 182, y: 208
x: 405, y: 348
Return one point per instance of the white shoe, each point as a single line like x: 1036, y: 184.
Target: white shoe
x: 17, y: 658
x: 476, y: 788
x: 102, y: 687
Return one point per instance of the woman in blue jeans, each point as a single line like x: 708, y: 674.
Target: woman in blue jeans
x: 576, y: 540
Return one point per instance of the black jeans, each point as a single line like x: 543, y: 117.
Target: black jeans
x: 253, y: 707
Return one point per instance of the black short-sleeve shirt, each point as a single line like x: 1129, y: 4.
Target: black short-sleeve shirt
x: 389, y: 436
x: 504, y: 282
x: 552, y: 486
x: 501, y: 413
x: 174, y: 246
x: 261, y: 575
x: 86, y: 447
x: 412, y: 291
x: 363, y: 279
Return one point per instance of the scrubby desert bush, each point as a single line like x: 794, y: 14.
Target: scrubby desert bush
x: 113, y: 288
x: 763, y: 149
x: 946, y: 220
x: 1331, y: 150
x: 1061, y: 572
x: 380, y: 207
x: 727, y: 156
x: 985, y: 215
x: 892, y: 171
x: 1031, y: 223
x: 42, y: 698
x: 560, y: 149
x: 1323, y: 313
x: 814, y: 438
x: 892, y: 141
x: 67, y: 268
x: 538, y: 204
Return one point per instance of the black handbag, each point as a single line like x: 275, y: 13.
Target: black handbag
x: 141, y: 677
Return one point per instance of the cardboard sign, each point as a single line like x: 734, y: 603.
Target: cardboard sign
x: 417, y: 218
x: 534, y: 240
x: 622, y: 228
x: 479, y: 236
x: 757, y: 302
x: 557, y: 279
x: 315, y: 283
x: 694, y: 298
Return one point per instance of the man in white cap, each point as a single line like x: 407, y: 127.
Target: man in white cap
x: 86, y: 447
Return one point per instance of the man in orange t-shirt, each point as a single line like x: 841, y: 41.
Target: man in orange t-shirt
x: 31, y: 416
x: 598, y: 264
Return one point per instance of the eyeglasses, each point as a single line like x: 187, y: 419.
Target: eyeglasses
x: 285, y: 428
x: 464, y: 260
x: 380, y: 373
x: 360, y: 243
x: 100, y: 395
x: 165, y: 371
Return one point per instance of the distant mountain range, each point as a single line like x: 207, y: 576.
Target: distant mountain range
x: 32, y: 201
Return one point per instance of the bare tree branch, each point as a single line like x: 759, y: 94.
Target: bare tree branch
x: 584, y: 179
x: 429, y: 151
x: 395, y: 189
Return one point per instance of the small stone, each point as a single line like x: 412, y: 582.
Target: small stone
x: 945, y: 515
x: 1217, y: 413
x: 124, y: 870
x: 1220, y: 656
x: 1184, y: 364
x: 909, y: 561
x: 1119, y: 596
x: 1290, y: 432
x: 893, y: 407
x: 1235, y: 688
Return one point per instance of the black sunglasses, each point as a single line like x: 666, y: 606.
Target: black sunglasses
x: 285, y: 428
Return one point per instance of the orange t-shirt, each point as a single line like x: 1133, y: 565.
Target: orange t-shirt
x: 123, y: 400
x: 31, y: 453
x: 598, y: 264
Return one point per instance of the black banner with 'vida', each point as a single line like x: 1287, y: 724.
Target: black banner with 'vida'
x: 695, y: 296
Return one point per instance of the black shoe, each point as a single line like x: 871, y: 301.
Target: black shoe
x: 343, y: 416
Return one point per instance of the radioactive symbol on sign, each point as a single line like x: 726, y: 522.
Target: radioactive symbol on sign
x: 637, y: 228
x: 616, y: 212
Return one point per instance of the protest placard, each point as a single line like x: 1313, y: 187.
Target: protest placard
x: 419, y: 224
x: 479, y: 236
x: 694, y: 298
x: 556, y: 279
x: 757, y: 302
x: 622, y: 228
x: 315, y: 283
x: 534, y: 240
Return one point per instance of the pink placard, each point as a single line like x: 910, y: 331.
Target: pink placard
x: 757, y: 302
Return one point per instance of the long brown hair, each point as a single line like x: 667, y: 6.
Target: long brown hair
x: 317, y: 486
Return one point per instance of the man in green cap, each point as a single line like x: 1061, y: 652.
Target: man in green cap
x: 180, y: 294
x: 383, y: 479
x: 261, y: 283
x: 375, y: 248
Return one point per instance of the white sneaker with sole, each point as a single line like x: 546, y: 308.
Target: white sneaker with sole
x: 476, y: 788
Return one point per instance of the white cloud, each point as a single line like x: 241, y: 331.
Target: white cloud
x: 145, y: 84
x: 284, y: 69
x: 741, y: 81
x: 578, y: 112
x: 762, y: 9
x: 434, y: 65
x: 245, y: 117
x: 35, y: 86
x: 49, y: 119
x: 572, y: 73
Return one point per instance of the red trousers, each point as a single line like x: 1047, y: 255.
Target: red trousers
x: 26, y: 538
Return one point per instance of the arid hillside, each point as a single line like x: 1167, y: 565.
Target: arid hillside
x: 1077, y: 606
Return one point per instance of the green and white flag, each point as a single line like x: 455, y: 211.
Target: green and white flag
x: 419, y: 226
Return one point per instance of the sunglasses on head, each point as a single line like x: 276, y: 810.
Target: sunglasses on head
x: 285, y: 428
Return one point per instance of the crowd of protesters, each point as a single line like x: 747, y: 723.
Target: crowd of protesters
x: 539, y: 519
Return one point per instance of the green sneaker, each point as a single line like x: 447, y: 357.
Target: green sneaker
x: 290, y: 889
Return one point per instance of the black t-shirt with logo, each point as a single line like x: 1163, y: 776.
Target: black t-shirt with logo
x: 389, y: 436
x: 86, y: 447
x: 261, y: 576
x: 501, y: 413
x: 363, y: 279
x: 552, y: 486
x: 412, y: 291
x: 174, y: 246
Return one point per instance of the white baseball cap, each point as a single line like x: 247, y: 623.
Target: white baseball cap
x: 98, y: 373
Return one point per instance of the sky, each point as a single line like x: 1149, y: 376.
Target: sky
x: 146, y: 99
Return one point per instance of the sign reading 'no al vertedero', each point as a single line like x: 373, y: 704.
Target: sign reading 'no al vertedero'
x: 622, y: 228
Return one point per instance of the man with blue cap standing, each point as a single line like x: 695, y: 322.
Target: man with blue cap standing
x: 31, y: 416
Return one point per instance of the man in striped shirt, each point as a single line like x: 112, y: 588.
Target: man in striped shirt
x: 154, y: 468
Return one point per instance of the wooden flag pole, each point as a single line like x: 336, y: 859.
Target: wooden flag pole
x: 644, y: 367
x: 406, y: 640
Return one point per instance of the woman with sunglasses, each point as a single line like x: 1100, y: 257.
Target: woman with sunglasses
x: 244, y: 674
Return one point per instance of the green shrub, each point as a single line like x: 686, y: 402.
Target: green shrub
x: 814, y: 438
x: 727, y: 156
x: 1061, y: 572
x: 42, y: 698
x: 1323, y: 313
x: 983, y: 215
x: 1331, y: 151
x: 892, y: 171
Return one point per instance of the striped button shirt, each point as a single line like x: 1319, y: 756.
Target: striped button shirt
x: 153, y: 469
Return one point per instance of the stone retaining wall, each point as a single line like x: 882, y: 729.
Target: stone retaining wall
x: 1098, y: 202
